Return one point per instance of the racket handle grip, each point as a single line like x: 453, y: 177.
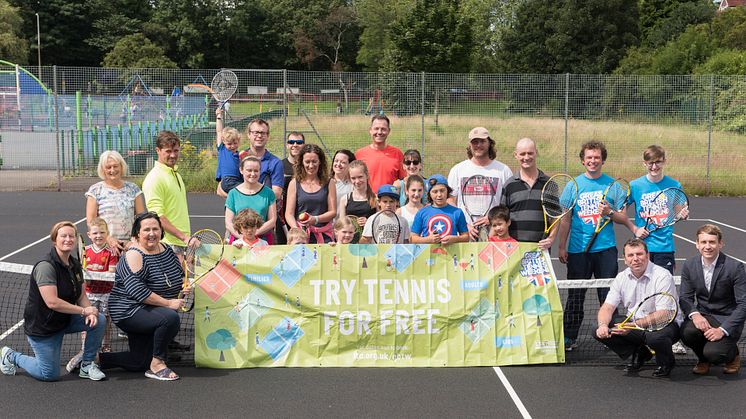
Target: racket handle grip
x: 590, y: 243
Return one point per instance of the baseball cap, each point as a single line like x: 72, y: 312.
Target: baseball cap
x: 388, y: 190
x: 479, y: 132
x: 436, y: 180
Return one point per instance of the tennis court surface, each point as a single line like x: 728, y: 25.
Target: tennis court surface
x: 591, y: 384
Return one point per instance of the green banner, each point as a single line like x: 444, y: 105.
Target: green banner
x: 471, y: 304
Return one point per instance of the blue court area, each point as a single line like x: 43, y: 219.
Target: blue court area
x: 591, y: 384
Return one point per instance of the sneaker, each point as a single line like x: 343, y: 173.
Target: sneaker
x: 679, y: 348
x: 6, y: 365
x: 91, y: 371
x: 74, y: 362
x: 570, y: 344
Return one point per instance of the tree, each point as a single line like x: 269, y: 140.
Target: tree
x: 221, y: 340
x: 137, y: 51
x: 433, y: 37
x: 333, y: 40
x: 491, y: 20
x: 663, y: 20
x: 114, y: 19
x: 375, y: 17
x: 12, y: 45
x: 572, y: 36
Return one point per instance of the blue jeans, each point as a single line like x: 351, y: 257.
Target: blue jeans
x: 45, y: 366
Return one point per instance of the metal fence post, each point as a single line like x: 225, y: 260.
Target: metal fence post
x: 709, y: 130
x: 567, y: 104
x: 57, y: 129
x: 422, y: 125
x: 284, y: 104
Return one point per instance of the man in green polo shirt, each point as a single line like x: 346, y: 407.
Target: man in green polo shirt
x: 165, y: 193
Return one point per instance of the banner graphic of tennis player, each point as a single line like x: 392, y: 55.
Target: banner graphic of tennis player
x: 469, y: 304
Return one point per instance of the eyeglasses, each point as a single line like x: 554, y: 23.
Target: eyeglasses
x: 411, y: 162
x: 259, y: 132
x: 295, y: 142
x: 658, y: 163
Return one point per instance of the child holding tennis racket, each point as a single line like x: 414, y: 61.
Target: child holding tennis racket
x: 228, y: 141
x: 415, y: 187
x: 386, y: 226
x: 439, y: 222
x: 246, y: 222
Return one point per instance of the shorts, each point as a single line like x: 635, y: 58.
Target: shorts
x: 100, y: 301
x: 230, y: 182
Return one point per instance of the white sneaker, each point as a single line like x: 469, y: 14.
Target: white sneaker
x: 74, y: 362
x: 679, y: 348
x: 6, y: 365
x: 91, y: 371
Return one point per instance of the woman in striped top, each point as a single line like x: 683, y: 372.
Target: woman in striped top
x: 144, y: 301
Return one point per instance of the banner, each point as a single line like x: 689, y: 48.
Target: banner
x: 469, y: 304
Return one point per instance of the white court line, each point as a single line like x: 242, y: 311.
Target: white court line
x: 689, y: 241
x: 727, y: 225
x: 512, y: 393
x: 33, y: 244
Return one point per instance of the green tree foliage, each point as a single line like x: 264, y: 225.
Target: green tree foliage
x: 331, y: 43
x: 13, y: 47
x: 491, y: 20
x: 114, y: 19
x: 375, y: 17
x: 663, y: 20
x: 433, y: 37
x: 137, y: 51
x: 569, y: 36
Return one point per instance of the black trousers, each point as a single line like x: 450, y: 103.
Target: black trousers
x: 659, y: 341
x: 718, y: 352
x: 149, y: 331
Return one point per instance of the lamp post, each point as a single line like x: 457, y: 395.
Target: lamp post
x: 38, y: 42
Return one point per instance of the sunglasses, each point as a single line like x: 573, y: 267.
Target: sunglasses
x: 411, y: 162
x: 295, y: 142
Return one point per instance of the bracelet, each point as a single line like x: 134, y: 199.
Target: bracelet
x: 219, y: 119
x: 315, y: 220
x: 82, y: 312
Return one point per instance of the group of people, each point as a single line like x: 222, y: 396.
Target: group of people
x: 301, y: 200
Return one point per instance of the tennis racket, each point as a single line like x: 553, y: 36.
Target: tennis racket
x: 616, y: 195
x: 558, y: 197
x: 666, y: 209
x: 204, y: 251
x: 653, y: 313
x: 477, y: 195
x: 224, y: 86
x: 386, y: 228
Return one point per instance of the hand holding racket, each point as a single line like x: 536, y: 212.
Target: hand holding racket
x: 477, y: 196
x: 653, y: 313
x: 224, y: 86
x: 669, y: 206
x: 386, y: 228
x: 615, y: 196
x: 204, y: 251
x: 558, y: 197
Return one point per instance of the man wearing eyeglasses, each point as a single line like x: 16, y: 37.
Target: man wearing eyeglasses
x: 293, y: 144
x: 522, y: 195
x: 384, y: 161
x: 481, y: 155
x: 271, y: 174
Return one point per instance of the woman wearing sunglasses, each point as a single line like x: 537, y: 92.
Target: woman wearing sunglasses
x: 412, y: 164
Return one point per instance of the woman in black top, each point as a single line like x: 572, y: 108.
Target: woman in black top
x: 56, y: 305
x: 143, y: 302
x: 362, y: 201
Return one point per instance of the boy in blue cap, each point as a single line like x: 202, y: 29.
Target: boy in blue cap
x: 392, y: 229
x: 439, y: 222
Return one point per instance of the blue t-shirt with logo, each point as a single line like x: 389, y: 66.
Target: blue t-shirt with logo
x: 586, y: 213
x: 643, y: 193
x: 447, y: 220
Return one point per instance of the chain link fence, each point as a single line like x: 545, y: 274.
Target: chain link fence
x: 55, y: 121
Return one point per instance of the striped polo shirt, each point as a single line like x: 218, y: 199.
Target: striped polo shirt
x: 524, y: 203
x: 161, y: 273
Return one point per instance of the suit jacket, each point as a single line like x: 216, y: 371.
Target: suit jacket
x: 726, y: 300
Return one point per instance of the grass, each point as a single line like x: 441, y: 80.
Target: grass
x: 445, y: 145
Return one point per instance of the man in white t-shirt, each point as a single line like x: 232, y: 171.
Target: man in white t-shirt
x: 481, y: 155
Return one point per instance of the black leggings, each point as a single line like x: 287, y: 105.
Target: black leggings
x: 149, y: 331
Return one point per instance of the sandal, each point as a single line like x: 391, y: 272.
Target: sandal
x: 106, y: 349
x: 163, y: 375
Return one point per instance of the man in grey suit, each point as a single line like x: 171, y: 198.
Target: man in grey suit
x: 715, y: 322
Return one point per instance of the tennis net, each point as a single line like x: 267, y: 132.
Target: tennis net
x: 14, y: 280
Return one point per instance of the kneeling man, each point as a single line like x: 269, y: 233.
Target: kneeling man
x: 640, y: 280
x: 715, y: 320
